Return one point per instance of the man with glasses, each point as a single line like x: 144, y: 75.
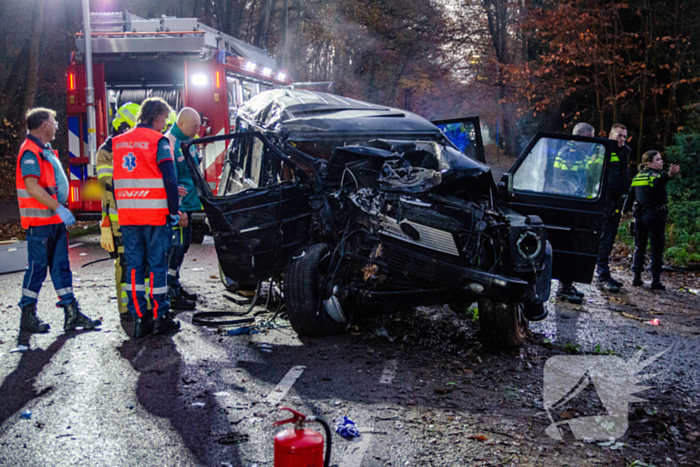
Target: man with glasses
x: 42, y: 189
x: 618, y: 185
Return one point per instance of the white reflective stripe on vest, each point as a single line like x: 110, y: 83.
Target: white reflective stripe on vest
x: 138, y: 183
x: 142, y: 203
x: 25, y: 194
x: 32, y: 212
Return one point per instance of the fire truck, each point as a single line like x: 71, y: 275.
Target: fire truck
x: 185, y: 62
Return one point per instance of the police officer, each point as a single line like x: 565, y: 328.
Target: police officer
x: 45, y: 219
x: 648, y: 199
x: 145, y: 188
x: 186, y: 127
x: 618, y: 185
x: 569, y: 170
x: 569, y: 177
x: 111, y: 240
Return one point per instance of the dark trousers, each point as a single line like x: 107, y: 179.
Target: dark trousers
x: 650, y: 227
x: 146, y: 248
x: 182, y: 239
x: 47, y: 249
x: 611, y: 222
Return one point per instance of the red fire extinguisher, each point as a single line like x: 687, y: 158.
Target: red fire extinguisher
x: 299, y: 446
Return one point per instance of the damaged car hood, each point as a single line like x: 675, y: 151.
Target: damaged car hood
x: 414, y: 167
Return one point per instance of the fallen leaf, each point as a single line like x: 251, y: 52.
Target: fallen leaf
x: 478, y: 438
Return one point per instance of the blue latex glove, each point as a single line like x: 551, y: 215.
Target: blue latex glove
x: 175, y: 219
x: 66, y: 216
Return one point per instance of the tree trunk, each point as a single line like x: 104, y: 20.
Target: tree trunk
x: 13, y: 85
x: 33, y: 59
x: 263, y: 25
x: 285, y: 33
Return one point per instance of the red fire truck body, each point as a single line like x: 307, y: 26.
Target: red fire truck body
x: 179, y: 59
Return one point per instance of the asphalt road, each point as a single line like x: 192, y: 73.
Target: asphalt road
x: 433, y: 396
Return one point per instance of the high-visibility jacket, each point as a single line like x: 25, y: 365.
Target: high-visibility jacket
x: 649, y: 188
x: 138, y: 181
x: 31, y: 211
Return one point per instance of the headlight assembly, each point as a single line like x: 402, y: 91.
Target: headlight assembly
x: 529, y: 245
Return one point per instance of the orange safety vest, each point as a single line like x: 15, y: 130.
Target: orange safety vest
x: 138, y: 181
x: 31, y: 211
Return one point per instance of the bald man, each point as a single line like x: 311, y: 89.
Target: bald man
x: 186, y: 127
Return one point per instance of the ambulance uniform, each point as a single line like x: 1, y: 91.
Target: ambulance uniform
x: 144, y: 195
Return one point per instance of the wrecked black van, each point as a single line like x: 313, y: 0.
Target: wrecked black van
x: 357, y: 208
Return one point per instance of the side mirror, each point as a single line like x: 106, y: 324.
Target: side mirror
x: 505, y: 185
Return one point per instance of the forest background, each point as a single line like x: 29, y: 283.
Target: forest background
x: 521, y: 65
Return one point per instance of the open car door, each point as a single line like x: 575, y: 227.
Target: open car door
x: 261, y: 212
x: 465, y: 133
x: 563, y: 180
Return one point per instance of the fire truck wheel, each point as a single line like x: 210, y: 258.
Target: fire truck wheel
x: 305, y: 290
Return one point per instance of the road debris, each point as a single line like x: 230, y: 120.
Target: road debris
x: 347, y: 428
x: 233, y: 438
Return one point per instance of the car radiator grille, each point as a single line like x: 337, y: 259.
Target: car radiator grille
x: 431, y: 238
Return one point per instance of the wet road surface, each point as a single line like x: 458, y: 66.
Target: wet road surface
x: 433, y: 396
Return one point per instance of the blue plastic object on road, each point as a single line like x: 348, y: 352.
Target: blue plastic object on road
x: 26, y: 414
x: 242, y: 330
x: 347, y: 428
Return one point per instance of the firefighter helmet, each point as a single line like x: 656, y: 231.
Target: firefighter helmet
x: 126, y: 114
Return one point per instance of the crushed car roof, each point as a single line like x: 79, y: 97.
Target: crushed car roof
x: 302, y: 114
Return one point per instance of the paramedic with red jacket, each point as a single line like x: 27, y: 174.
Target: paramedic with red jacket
x: 42, y: 188
x: 145, y: 188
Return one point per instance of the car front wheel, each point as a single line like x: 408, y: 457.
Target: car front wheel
x: 502, y: 324
x: 305, y: 289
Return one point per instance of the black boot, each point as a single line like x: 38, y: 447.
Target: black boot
x: 30, y: 322
x: 637, y: 281
x: 189, y: 296
x: 143, y: 327
x: 657, y: 285
x: 75, y: 319
x: 179, y: 302
x: 166, y: 325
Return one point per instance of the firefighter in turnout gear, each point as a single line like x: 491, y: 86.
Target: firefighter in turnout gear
x: 618, y: 185
x: 42, y: 188
x: 145, y: 188
x: 111, y: 239
x: 648, y: 199
x: 569, y: 177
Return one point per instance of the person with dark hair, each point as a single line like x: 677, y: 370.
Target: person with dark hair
x: 111, y: 238
x: 618, y: 184
x: 38, y: 177
x: 186, y: 127
x: 647, y: 200
x: 145, y: 188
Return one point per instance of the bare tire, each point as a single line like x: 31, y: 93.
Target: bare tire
x: 305, y: 289
x: 502, y: 324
